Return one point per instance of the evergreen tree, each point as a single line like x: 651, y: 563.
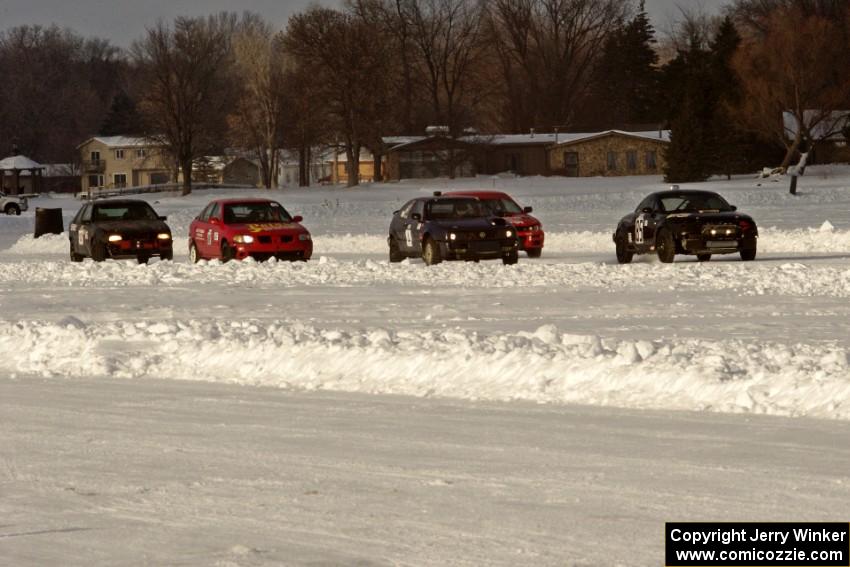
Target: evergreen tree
x: 627, y: 77
x: 123, y: 118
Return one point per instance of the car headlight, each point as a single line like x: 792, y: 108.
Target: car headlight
x: 243, y: 239
x: 304, y: 236
x: 452, y: 236
x: 509, y: 233
x: 115, y: 238
x: 163, y: 236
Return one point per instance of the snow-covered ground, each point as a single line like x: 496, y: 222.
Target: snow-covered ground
x: 767, y: 337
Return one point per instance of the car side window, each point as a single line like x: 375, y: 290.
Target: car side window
x: 215, y: 212
x: 419, y: 208
x: 405, y: 210
x: 86, y: 215
x: 205, y: 214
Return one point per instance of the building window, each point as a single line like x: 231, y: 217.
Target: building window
x: 612, y: 161
x: 631, y: 160
x: 512, y: 163
x: 141, y: 152
x: 95, y: 181
x: 119, y: 179
x: 95, y: 157
x: 119, y: 154
x: 651, y: 162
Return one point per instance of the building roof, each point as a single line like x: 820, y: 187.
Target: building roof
x: 658, y: 136
x: 120, y: 141
x: 19, y: 162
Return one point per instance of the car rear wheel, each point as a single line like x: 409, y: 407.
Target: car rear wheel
x: 665, y: 247
x: 395, y: 252
x: 511, y: 258
x: 748, y: 255
x: 167, y: 255
x: 227, y: 251
x: 431, y: 253
x: 194, y: 256
x: 534, y: 252
x: 74, y: 256
x: 142, y: 259
x: 703, y: 257
x: 624, y: 255
x: 13, y: 209
x: 98, y: 251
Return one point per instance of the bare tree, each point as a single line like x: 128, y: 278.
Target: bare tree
x: 345, y: 62
x: 260, y: 68
x: 799, y: 66
x: 547, y: 51
x: 187, y: 91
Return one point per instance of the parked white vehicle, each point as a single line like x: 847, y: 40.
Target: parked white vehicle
x: 12, y: 205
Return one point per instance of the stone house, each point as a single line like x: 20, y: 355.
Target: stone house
x: 609, y: 154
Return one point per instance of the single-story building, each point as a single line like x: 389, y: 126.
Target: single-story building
x: 608, y: 154
x: 429, y: 157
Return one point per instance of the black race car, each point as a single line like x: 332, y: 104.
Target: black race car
x: 699, y: 223
x: 119, y: 228
x: 450, y: 228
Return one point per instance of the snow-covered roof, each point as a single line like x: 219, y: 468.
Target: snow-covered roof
x: 572, y: 138
x: 19, y: 162
x: 513, y: 139
x: 394, y: 141
x: 829, y: 126
x: 120, y: 141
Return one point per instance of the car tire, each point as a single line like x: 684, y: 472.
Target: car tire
x: 665, y: 247
x: 142, y: 259
x: 534, y: 252
x: 194, y: 255
x: 227, y: 251
x: 431, y: 252
x: 74, y: 256
x: 703, y: 257
x: 98, y: 251
x: 13, y: 209
x: 395, y: 254
x: 624, y: 255
x: 511, y: 258
x: 748, y: 254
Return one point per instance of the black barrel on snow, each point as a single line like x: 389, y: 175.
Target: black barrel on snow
x: 48, y: 221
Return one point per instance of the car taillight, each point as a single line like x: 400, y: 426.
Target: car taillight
x: 745, y: 225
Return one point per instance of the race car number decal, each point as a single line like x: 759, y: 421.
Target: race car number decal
x: 408, y: 236
x: 272, y: 226
x: 640, y: 224
x: 82, y: 236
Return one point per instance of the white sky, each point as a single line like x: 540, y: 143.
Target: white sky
x: 123, y: 21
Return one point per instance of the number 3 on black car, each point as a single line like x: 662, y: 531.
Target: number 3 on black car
x: 695, y: 223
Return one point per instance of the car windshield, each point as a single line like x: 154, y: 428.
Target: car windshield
x: 503, y: 205
x: 256, y: 213
x: 124, y: 211
x: 690, y: 202
x: 455, y: 209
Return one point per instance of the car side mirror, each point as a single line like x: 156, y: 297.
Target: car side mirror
x: 215, y: 220
x: 395, y: 213
x: 416, y: 216
x: 646, y: 210
x: 163, y: 218
x: 527, y: 210
x: 297, y: 218
x: 734, y: 208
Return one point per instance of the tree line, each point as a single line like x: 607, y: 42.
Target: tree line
x: 350, y: 76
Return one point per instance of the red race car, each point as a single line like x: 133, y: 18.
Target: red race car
x: 230, y: 229
x: 529, y: 230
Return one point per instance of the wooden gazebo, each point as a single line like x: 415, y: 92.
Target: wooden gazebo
x: 18, y: 169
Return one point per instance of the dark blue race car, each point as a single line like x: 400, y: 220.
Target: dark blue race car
x: 442, y: 228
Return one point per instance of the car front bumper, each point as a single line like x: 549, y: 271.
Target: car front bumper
x: 129, y: 248
x: 479, y: 249
x: 295, y: 250
x: 530, y: 240
x: 692, y: 244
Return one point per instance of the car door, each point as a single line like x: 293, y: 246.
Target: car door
x: 82, y: 238
x: 412, y: 228
x: 398, y: 224
x: 646, y: 219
